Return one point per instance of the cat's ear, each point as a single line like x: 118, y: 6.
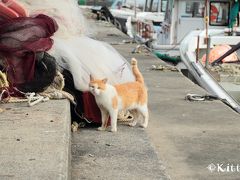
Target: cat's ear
x: 91, y: 78
x: 104, y: 80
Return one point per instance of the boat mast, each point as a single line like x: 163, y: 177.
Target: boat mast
x: 159, y: 6
x: 145, y: 7
x: 150, y: 6
x: 135, y: 8
x: 207, y: 38
x: 206, y: 17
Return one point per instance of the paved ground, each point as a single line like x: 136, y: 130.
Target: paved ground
x: 182, y: 139
x: 188, y: 136
x: 125, y: 155
x: 35, y: 141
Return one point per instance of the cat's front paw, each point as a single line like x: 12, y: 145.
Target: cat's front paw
x: 144, y: 125
x: 113, y: 129
x: 101, y: 128
x: 133, y: 61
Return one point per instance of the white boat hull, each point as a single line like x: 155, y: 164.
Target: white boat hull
x: 204, y: 79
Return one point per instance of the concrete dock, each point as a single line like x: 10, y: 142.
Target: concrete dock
x: 182, y: 140
x: 187, y: 136
x: 35, y: 141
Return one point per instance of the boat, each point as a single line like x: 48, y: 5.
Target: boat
x: 143, y: 13
x: 218, y: 77
x: 184, y: 16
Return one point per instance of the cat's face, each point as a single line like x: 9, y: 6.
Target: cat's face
x: 96, y: 86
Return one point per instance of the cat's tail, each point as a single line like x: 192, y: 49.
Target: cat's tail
x: 136, y: 72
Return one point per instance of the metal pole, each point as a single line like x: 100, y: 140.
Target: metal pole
x: 197, y: 55
x: 208, y: 51
x: 206, y: 17
x: 207, y: 38
x: 135, y: 8
x: 145, y: 6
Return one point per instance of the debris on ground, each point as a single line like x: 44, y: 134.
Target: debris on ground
x: 123, y: 42
x: 75, y: 126
x: 229, y: 71
x: 163, y: 68
x: 111, y: 34
x: 82, y: 124
x: 197, y: 97
x: 141, y: 48
x: 105, y: 23
x: 167, y: 58
x: 1, y: 110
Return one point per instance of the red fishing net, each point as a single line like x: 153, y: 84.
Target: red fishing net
x: 20, y: 40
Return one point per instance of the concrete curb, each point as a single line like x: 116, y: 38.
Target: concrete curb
x: 35, y: 141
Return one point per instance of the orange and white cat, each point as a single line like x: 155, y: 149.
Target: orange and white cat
x: 113, y: 98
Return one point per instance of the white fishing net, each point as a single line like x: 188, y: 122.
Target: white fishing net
x: 75, y: 51
x: 84, y: 56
